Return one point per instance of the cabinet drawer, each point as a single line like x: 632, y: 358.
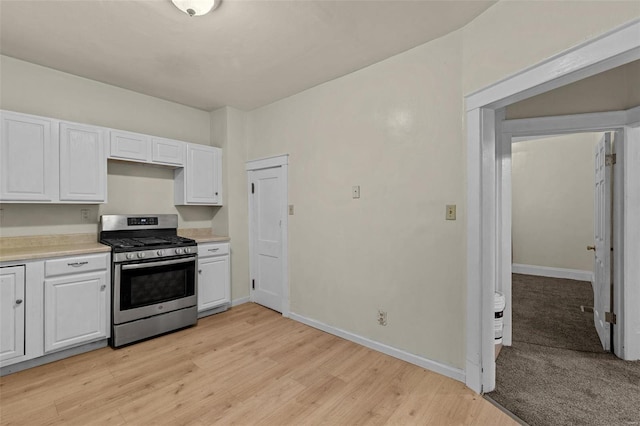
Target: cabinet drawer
x: 77, y: 264
x: 218, y: 249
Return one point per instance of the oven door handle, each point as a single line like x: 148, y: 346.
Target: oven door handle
x: 154, y: 264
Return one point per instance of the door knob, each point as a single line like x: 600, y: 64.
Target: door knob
x: 591, y: 248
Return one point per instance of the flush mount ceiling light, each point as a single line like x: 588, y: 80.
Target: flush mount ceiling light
x: 196, y: 7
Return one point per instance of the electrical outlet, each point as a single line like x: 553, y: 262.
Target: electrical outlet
x: 1, y: 214
x: 84, y: 215
x: 290, y: 209
x: 382, y: 317
x: 355, y: 191
x: 451, y: 212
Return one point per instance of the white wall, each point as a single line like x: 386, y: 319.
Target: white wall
x: 228, y: 127
x: 552, y: 201
x: 133, y: 188
x: 515, y: 34
x: 393, y: 128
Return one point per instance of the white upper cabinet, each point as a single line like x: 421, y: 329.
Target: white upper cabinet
x: 130, y: 146
x: 168, y: 151
x: 83, y: 163
x: 28, y: 156
x: 200, y: 182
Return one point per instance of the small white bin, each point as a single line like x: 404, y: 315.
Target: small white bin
x: 498, y: 309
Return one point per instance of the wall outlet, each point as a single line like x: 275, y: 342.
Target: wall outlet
x: 84, y: 215
x: 355, y: 191
x: 1, y: 214
x: 382, y: 317
x: 451, y: 212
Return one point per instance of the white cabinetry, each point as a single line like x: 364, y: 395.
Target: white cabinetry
x: 200, y: 182
x: 76, y: 301
x: 28, y: 158
x: 129, y: 146
x: 83, y: 163
x: 214, y: 285
x: 11, y: 312
x: 168, y: 151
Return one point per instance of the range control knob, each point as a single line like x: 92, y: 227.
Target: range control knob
x: 130, y: 255
x: 160, y: 252
x: 179, y: 251
x: 187, y: 250
x: 141, y: 255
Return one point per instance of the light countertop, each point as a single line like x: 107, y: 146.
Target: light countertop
x: 202, y: 235
x: 44, y: 246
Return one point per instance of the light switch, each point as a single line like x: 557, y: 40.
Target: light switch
x: 451, y: 212
x: 290, y: 209
x: 355, y: 191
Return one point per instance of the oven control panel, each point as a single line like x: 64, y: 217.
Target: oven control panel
x: 140, y: 221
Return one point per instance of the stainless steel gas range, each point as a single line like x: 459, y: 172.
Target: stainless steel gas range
x: 154, y: 279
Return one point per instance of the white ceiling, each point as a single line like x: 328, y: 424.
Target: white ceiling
x: 245, y: 54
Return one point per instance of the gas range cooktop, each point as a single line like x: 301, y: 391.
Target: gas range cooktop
x: 148, y: 242
x: 144, y: 236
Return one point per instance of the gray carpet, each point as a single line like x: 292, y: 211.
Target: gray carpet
x: 556, y: 372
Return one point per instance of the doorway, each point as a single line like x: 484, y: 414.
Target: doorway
x: 487, y: 250
x: 544, y: 376
x: 268, y: 232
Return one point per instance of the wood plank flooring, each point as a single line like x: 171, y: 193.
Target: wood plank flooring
x: 246, y: 366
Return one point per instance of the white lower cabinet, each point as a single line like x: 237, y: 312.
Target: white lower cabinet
x: 11, y: 312
x: 49, y: 305
x: 214, y: 284
x: 75, y: 310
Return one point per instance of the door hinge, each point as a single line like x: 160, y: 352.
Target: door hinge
x: 253, y: 188
x: 610, y: 160
x: 253, y: 284
x: 610, y: 317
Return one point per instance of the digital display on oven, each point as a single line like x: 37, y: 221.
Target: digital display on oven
x: 137, y: 221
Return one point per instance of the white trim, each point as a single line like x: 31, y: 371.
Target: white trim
x: 630, y: 274
x: 281, y: 161
x: 574, y: 123
x: 617, y: 47
x: 633, y: 117
x: 614, y: 48
x: 240, y: 301
x: 267, y: 163
x: 548, y: 271
x: 435, y: 366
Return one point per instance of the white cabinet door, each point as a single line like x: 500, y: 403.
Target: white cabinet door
x: 214, y: 285
x: 201, y: 180
x: 28, y: 158
x: 83, y: 163
x: 75, y: 310
x: 11, y: 312
x: 167, y: 151
x: 130, y: 146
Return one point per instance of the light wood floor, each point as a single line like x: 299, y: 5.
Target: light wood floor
x: 245, y: 366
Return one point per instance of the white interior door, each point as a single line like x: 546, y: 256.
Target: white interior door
x: 602, y: 238
x: 267, y: 198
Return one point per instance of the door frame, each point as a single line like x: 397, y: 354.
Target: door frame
x: 484, y: 116
x: 534, y: 128
x: 268, y: 163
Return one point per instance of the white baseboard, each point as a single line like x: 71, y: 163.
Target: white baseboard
x: 546, y: 271
x: 239, y: 301
x: 445, y: 370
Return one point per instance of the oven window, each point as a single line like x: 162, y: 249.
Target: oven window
x: 156, y: 284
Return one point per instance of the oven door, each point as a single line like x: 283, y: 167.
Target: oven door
x: 145, y: 289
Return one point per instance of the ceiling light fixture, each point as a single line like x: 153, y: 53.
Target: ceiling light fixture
x: 196, y: 7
